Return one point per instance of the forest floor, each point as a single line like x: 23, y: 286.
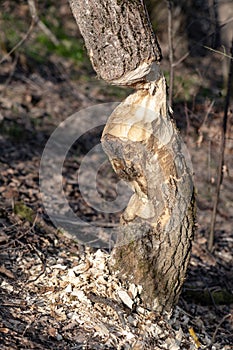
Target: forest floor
x: 58, y: 294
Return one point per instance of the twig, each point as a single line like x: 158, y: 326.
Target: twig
x: 187, y: 120
x: 26, y: 36
x: 222, y: 150
x: 40, y: 24
x: 109, y: 302
x: 181, y: 59
x: 200, y: 133
x: 171, y: 51
x: 218, y: 327
x: 219, y: 52
x: 35, y: 21
x: 7, y: 82
x: 206, y: 47
x: 43, y: 262
x: 207, y: 114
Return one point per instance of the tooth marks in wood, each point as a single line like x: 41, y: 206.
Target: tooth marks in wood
x: 145, y: 150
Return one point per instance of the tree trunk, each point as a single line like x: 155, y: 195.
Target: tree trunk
x: 145, y: 149
x: 118, y: 37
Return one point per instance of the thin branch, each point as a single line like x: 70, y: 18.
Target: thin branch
x: 35, y: 22
x: 11, y: 73
x: 222, y: 150
x: 219, y: 52
x: 206, y: 47
x: 26, y: 36
x: 171, y: 50
x: 218, y: 327
x: 200, y: 133
x: 181, y: 59
x: 40, y: 24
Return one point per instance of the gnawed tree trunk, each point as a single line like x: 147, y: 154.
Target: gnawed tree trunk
x: 145, y: 149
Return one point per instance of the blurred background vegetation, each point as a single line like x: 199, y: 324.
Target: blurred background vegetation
x: 199, y: 29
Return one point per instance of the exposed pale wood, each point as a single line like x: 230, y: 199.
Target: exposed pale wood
x: 145, y: 149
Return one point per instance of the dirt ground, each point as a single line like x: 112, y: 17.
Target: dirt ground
x: 58, y: 294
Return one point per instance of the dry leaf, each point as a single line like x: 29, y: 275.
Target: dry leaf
x: 125, y: 298
x: 6, y: 272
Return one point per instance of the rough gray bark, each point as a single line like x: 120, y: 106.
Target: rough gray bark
x: 117, y: 34
x: 145, y: 149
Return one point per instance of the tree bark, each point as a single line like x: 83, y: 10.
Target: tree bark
x: 118, y: 37
x: 145, y: 149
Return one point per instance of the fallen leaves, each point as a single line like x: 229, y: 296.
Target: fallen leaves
x: 6, y: 272
x: 55, y: 294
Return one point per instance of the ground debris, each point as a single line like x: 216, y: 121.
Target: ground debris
x: 77, y: 301
x: 56, y: 294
